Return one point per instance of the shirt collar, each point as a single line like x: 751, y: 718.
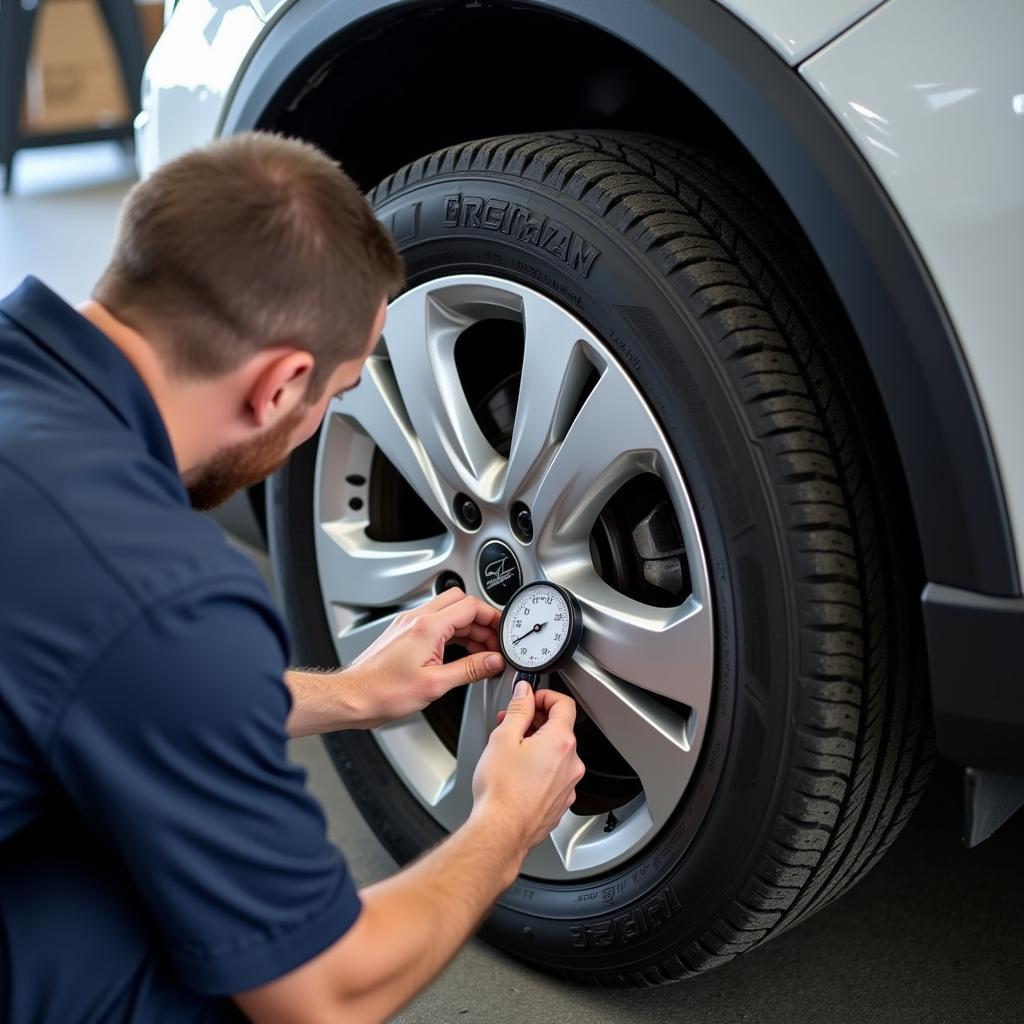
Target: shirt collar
x: 85, y: 350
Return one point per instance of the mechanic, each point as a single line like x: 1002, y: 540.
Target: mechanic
x: 160, y: 856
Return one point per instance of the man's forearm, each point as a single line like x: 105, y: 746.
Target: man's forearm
x: 413, y: 923
x: 321, y: 702
x: 410, y: 926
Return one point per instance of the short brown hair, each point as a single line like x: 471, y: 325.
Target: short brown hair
x: 252, y: 241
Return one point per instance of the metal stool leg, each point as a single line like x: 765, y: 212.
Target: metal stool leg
x: 126, y: 33
x: 16, y: 24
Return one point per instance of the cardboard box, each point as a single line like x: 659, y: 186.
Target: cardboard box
x: 73, y: 80
x: 151, y: 14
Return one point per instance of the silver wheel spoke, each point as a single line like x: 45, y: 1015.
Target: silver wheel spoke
x: 554, y: 369
x: 611, y: 440
x: 664, y: 650
x: 567, y: 848
x: 376, y: 407
x: 421, y: 333
x: 353, y: 635
x: 416, y: 752
x: 355, y: 570
x: 479, y: 717
x: 652, y: 738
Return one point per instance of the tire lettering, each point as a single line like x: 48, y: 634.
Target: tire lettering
x: 525, y: 227
x: 581, y: 255
x: 494, y: 214
x: 538, y: 275
x: 520, y: 222
x: 471, y: 207
x: 451, y: 210
x: 625, y: 928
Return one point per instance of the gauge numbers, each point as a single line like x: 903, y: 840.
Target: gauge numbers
x: 537, y: 627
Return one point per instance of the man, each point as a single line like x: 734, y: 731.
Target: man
x: 160, y: 858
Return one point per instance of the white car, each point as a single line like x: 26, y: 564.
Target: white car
x: 711, y: 319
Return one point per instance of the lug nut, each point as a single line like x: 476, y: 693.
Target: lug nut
x: 447, y: 580
x: 522, y: 522
x: 467, y: 512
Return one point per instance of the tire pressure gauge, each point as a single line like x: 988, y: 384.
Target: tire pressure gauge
x: 540, y: 629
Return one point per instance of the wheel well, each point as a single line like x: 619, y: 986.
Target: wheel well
x: 467, y: 71
x: 470, y: 71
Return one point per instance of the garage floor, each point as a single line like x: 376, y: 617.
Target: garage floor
x: 935, y: 934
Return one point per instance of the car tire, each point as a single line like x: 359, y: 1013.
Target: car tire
x: 817, y: 746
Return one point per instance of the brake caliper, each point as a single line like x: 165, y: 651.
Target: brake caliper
x: 660, y: 548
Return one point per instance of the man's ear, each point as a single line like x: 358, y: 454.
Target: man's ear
x: 280, y: 385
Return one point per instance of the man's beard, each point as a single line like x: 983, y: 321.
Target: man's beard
x: 241, y: 465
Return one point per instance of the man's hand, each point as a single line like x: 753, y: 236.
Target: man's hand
x: 528, y: 771
x: 403, y: 670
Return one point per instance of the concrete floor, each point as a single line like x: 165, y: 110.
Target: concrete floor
x: 934, y: 936
x: 59, y: 221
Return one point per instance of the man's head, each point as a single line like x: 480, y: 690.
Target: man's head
x: 254, y: 259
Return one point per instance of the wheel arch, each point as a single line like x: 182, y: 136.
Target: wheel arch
x: 729, y: 85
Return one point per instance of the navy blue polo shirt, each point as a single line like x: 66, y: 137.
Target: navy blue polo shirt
x: 158, y: 851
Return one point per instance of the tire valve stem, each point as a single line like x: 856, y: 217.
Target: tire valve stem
x: 610, y: 822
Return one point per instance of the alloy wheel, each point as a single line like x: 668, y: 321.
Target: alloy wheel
x: 495, y: 437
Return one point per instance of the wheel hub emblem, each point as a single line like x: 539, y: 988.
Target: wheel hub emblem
x: 499, y: 571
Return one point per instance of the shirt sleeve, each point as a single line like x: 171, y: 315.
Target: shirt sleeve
x: 173, y: 747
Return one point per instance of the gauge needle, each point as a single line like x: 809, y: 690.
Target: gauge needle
x: 536, y: 628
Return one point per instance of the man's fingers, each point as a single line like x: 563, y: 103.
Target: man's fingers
x: 481, y: 664
x: 558, y: 707
x: 538, y: 721
x: 474, y: 631
x: 462, y: 614
x: 520, y: 711
x: 443, y: 600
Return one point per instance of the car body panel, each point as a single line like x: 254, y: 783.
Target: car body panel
x: 942, y: 126
x: 189, y: 76
x: 796, y: 28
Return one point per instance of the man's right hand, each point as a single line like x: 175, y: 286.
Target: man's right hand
x: 529, y: 769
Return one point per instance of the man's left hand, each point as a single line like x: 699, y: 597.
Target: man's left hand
x: 403, y: 670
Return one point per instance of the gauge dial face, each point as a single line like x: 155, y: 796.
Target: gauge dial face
x: 536, y: 627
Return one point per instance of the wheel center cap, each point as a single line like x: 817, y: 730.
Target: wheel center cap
x: 499, y: 572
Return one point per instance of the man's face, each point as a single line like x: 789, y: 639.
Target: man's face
x: 243, y: 464
x: 246, y: 463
